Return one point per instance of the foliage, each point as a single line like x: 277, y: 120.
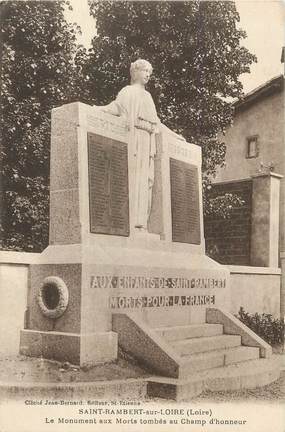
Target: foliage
x: 197, y: 57
x: 216, y: 205
x: 38, y: 73
x: 268, y: 328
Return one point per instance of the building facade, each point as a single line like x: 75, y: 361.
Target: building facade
x: 256, y: 140
x: 255, y: 149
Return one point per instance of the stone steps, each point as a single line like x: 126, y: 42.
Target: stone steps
x: 189, y: 331
x: 221, y: 354
x: 204, y: 344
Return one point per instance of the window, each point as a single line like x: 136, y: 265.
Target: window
x: 252, y: 149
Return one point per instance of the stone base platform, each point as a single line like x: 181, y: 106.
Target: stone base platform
x: 79, y: 349
x: 246, y: 375
x: 95, y: 282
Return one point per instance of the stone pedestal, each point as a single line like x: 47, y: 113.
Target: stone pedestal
x: 265, y: 220
x: 98, y: 263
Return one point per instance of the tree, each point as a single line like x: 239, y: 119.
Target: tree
x: 195, y: 49
x: 197, y: 57
x: 38, y: 73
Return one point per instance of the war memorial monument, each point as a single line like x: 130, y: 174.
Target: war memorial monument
x: 126, y: 263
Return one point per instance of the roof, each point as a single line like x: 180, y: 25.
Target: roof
x: 274, y: 85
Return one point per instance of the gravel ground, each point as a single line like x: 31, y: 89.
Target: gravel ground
x: 21, y: 369
x: 274, y: 392
x: 27, y: 369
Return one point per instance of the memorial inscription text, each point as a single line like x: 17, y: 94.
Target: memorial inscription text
x: 185, y: 207
x: 186, y: 291
x: 108, y: 185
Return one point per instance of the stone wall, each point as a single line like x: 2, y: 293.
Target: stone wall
x: 256, y: 289
x: 228, y: 240
x: 13, y: 293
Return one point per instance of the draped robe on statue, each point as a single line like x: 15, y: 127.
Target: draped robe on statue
x: 134, y: 102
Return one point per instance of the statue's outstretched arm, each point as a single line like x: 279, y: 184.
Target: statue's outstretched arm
x: 112, y: 108
x: 118, y: 106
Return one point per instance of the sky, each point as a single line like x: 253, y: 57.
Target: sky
x: 263, y: 21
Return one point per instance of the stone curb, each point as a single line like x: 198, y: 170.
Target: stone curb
x: 126, y: 389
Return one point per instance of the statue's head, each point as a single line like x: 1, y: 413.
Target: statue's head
x: 140, y: 71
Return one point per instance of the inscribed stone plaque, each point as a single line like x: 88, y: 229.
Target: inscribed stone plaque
x: 185, y: 207
x: 108, y: 185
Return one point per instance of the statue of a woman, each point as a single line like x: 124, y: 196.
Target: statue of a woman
x: 136, y: 104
